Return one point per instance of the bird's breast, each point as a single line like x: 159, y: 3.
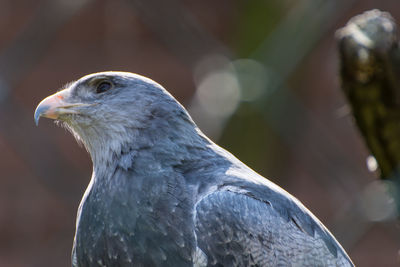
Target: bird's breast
x: 148, y: 224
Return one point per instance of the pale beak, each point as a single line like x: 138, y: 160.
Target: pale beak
x: 55, y: 105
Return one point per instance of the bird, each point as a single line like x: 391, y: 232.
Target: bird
x: 163, y: 194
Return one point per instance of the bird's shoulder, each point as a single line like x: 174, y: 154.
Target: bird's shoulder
x: 247, y: 204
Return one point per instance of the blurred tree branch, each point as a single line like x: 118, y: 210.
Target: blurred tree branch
x: 370, y: 62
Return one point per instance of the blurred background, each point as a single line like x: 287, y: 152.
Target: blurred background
x: 259, y: 77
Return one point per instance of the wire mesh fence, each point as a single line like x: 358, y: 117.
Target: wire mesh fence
x: 259, y: 78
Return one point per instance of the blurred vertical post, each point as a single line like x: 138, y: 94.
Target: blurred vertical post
x: 369, y: 69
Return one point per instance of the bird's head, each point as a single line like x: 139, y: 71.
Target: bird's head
x: 112, y: 111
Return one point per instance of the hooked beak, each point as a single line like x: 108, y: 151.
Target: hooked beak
x: 55, y: 105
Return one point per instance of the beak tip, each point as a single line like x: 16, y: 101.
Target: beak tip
x: 38, y: 113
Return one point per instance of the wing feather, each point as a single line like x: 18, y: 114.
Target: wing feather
x: 234, y: 229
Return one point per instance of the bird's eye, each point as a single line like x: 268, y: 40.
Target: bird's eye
x: 103, y: 86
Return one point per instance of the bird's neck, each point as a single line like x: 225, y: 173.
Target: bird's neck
x: 160, y: 144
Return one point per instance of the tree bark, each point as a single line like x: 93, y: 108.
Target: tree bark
x: 369, y: 69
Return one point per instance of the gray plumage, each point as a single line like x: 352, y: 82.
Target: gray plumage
x: 163, y: 194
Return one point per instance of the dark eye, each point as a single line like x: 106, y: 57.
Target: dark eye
x: 103, y: 86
